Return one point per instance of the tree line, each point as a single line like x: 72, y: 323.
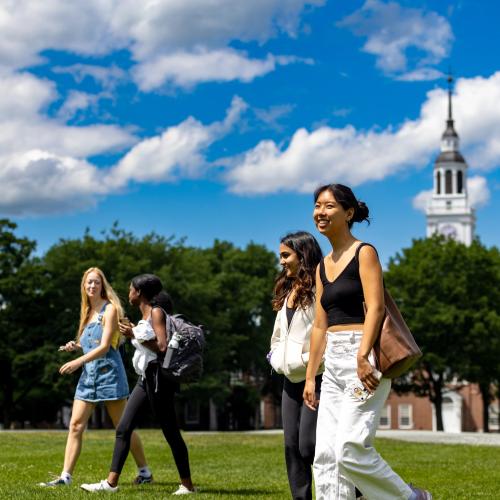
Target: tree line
x: 447, y: 292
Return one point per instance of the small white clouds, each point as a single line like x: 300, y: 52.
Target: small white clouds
x: 76, y: 102
x: 107, y: 76
x: 477, y: 191
x: 391, y: 31
x: 356, y: 156
x: 271, y: 117
x: 420, y: 75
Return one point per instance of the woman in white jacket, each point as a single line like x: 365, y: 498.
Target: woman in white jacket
x: 294, y: 301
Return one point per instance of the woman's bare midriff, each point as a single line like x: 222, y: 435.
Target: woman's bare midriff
x: 343, y: 328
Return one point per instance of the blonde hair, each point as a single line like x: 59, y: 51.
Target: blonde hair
x: 107, y: 293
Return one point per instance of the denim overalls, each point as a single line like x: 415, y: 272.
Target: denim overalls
x: 103, y: 379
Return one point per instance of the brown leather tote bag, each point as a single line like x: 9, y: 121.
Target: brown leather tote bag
x: 395, y: 348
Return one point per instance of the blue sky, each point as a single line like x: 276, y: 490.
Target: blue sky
x: 217, y: 119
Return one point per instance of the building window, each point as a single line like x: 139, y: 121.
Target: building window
x: 385, y: 418
x: 493, y: 418
x: 192, y: 412
x: 460, y: 181
x: 448, y: 189
x: 405, y: 416
x: 438, y: 183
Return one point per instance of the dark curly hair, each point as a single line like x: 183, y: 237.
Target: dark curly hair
x: 309, y: 253
x: 151, y: 288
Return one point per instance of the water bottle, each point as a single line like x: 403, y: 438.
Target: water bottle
x: 174, y: 341
x: 172, y: 346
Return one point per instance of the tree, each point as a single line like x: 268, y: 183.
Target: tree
x: 24, y: 357
x: 226, y: 288
x: 481, y: 349
x: 430, y: 287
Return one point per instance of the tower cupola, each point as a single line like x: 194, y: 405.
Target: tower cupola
x: 448, y: 210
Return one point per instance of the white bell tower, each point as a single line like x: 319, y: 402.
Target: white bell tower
x: 448, y: 211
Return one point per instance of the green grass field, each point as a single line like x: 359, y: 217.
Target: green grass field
x: 230, y: 466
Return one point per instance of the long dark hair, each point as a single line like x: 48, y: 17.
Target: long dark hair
x: 309, y: 253
x: 151, y: 288
x: 345, y: 196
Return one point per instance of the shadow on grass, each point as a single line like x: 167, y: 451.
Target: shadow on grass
x: 250, y: 492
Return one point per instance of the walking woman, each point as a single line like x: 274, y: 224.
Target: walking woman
x: 103, y: 375
x: 352, y: 392
x: 294, y: 298
x: 152, y: 390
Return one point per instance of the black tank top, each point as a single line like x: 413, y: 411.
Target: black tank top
x: 342, y: 299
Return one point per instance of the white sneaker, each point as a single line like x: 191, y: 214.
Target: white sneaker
x: 182, y: 490
x: 101, y: 486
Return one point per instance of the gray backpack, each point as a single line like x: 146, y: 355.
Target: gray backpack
x: 183, y: 360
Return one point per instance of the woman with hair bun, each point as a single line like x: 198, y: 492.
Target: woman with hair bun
x: 103, y: 377
x: 352, y: 392
x: 152, y: 390
x: 293, y: 300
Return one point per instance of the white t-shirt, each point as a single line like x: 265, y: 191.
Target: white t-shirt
x: 142, y: 355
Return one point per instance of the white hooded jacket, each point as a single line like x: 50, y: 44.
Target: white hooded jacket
x: 290, y: 343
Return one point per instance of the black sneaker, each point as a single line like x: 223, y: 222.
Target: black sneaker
x: 420, y: 494
x: 58, y: 481
x: 140, y: 479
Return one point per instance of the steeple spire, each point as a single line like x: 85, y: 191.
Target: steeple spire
x: 450, y: 128
x: 450, y: 87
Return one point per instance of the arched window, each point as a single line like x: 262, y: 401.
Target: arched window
x: 460, y: 181
x: 448, y: 189
x: 438, y: 182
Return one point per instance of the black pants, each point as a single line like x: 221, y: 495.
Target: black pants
x: 299, y: 427
x: 158, y: 394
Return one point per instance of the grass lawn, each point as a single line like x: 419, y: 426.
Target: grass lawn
x: 230, y: 466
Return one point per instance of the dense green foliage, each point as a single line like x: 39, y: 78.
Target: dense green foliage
x: 232, y: 466
x: 450, y: 296
x: 228, y: 289
x: 448, y: 293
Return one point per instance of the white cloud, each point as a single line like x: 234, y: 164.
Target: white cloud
x: 24, y: 126
x: 166, y: 33
x: 271, y: 116
x: 75, y: 102
x: 38, y: 182
x: 420, y: 75
x: 186, y: 69
x: 421, y: 200
x: 356, y: 156
x: 391, y: 30
x: 28, y: 28
x: 178, y: 152
x: 107, y: 76
x: 477, y: 191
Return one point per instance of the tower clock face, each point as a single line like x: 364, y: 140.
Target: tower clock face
x: 448, y: 230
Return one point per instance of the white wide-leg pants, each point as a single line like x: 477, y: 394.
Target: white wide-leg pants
x: 345, y: 431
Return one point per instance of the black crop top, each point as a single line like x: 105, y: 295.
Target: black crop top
x: 343, y: 298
